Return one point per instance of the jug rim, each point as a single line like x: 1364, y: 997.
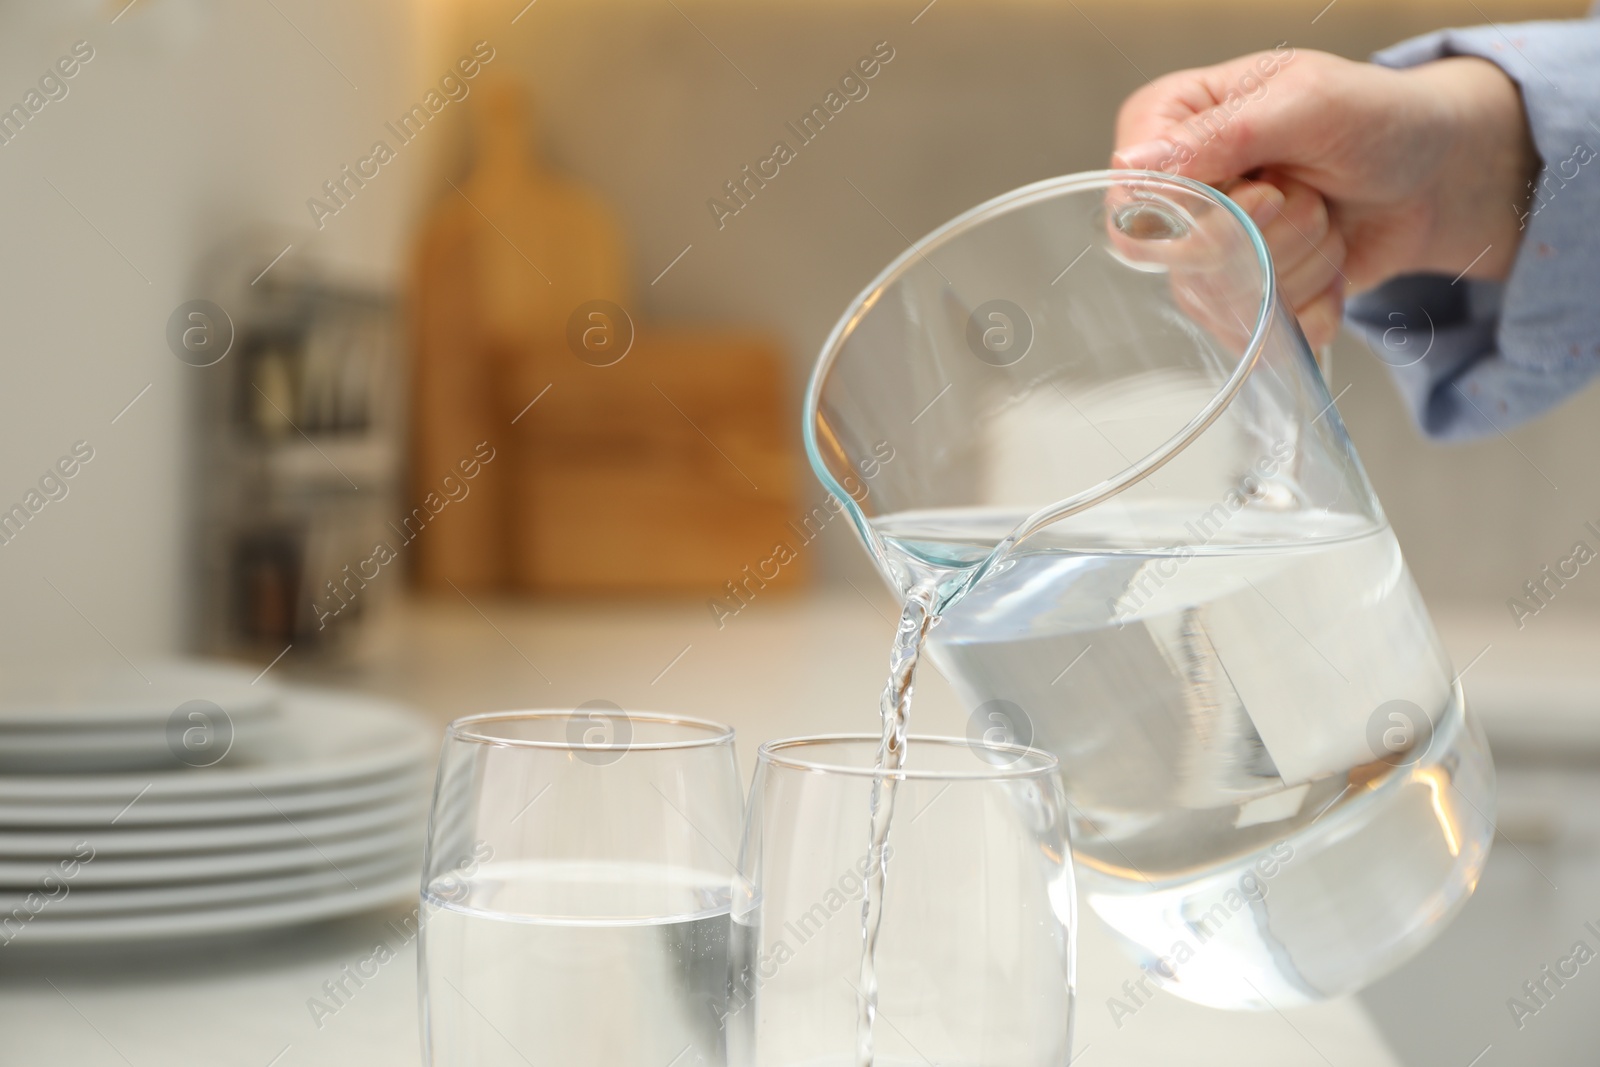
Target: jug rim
x: 1133, y: 473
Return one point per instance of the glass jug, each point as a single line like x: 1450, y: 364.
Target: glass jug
x: 1079, y: 422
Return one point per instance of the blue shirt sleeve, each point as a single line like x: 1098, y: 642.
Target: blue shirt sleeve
x: 1474, y: 358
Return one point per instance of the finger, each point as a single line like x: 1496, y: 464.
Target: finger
x: 1201, y: 234
x: 1214, y: 123
x: 1168, y: 101
x: 1301, y: 221
x: 1320, y: 318
x: 1308, y: 251
x: 1321, y: 269
x: 1262, y: 200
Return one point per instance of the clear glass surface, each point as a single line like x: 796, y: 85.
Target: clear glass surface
x: 1079, y: 421
x: 974, y: 960
x: 575, y: 893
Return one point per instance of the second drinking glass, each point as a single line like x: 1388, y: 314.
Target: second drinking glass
x: 974, y: 956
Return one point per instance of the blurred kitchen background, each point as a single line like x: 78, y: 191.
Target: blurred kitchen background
x: 521, y: 350
x: 198, y: 132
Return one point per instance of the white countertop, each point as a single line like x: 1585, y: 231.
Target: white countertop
x: 785, y: 666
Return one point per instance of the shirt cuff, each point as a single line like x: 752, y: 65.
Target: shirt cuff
x: 1473, y: 358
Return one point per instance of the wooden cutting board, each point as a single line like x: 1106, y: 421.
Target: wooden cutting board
x: 672, y: 470
x: 669, y: 470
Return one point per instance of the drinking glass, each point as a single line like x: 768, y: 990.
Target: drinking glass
x: 1079, y: 424
x: 974, y: 960
x: 575, y: 891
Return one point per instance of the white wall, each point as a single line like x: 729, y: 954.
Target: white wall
x: 193, y: 121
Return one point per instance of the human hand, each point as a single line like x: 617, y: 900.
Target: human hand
x: 1355, y: 172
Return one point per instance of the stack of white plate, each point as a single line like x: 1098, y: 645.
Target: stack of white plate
x: 311, y: 807
x: 165, y: 716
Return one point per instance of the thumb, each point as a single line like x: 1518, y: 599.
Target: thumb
x: 1211, y: 124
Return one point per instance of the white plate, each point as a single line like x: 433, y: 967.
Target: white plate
x: 111, y: 902
x: 79, y: 749
x: 140, y: 870
x: 222, y: 920
x: 98, y: 815
x: 124, y: 840
x: 321, y: 738
x: 120, y: 697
